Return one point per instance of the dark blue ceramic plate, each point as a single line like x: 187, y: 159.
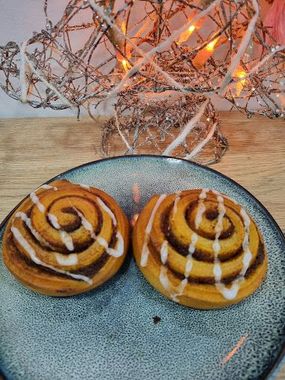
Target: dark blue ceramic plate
x: 110, y: 332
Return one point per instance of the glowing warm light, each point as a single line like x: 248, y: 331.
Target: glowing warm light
x: 240, y: 73
x: 185, y: 35
x: 211, y: 45
x: 203, y: 55
x: 126, y: 64
x: 124, y: 27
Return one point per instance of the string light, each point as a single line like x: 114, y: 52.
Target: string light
x: 125, y: 63
x: 126, y: 40
x: 203, y: 56
x: 211, y: 45
x: 186, y: 35
x: 240, y: 73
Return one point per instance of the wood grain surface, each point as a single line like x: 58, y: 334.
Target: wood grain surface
x: 34, y: 150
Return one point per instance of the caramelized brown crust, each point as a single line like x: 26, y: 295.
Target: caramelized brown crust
x: 66, y: 239
x: 172, y: 222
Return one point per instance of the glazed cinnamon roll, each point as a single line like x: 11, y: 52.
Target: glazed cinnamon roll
x: 65, y: 239
x: 199, y: 248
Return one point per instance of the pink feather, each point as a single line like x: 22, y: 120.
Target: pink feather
x: 275, y: 21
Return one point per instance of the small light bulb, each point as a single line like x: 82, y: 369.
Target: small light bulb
x: 191, y: 28
x: 211, y: 45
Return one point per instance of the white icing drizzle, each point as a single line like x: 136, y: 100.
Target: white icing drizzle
x: 230, y: 292
x: 35, y: 233
x: 85, y: 223
x: 37, y: 202
x: 120, y: 246
x: 188, y: 266
x: 145, y: 250
x: 247, y: 256
x: 225, y: 196
x: 219, y: 224
x: 203, y: 194
x: 217, y: 271
x: 65, y: 237
x: 201, y: 208
x: 61, y: 259
x: 245, y: 217
x: 180, y: 289
x: 29, y: 249
x: 84, y: 186
x: 24, y: 243
x: 164, y: 280
x: 54, y: 222
x: 192, y: 246
x: 65, y: 260
x: 115, y: 252
x: 189, y: 259
x: 67, y: 240
x: 106, y: 208
x: 47, y: 187
x: 164, y: 252
x: 177, y: 199
x: 35, y: 198
x: 200, y: 211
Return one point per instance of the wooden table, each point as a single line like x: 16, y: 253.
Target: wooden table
x: 34, y: 150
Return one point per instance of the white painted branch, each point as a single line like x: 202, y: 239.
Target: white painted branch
x: 201, y: 145
x: 186, y: 130
x: 265, y: 59
x: 235, y: 61
x: 23, y: 72
x: 41, y: 76
x: 121, y: 134
x: 168, y: 96
x: 139, y: 63
x: 160, y: 47
x: 255, y: 68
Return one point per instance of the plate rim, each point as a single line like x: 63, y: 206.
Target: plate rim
x: 268, y: 372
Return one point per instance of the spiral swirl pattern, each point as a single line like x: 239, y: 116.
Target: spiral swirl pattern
x: 199, y: 248
x: 66, y: 239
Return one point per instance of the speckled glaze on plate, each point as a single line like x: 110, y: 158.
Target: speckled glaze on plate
x: 110, y: 333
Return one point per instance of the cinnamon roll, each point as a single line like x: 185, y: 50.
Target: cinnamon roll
x: 199, y: 248
x: 65, y: 239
